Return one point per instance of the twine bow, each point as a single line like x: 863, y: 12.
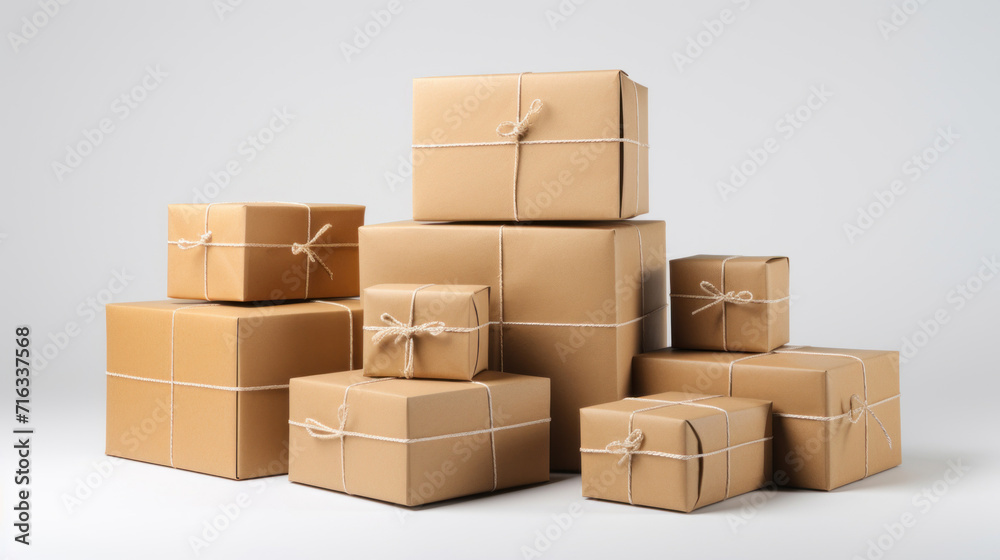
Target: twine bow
x: 405, y: 332
x: 184, y: 244
x: 626, y: 447
x: 517, y: 129
x: 717, y: 296
x: 318, y: 430
x: 307, y: 249
x: 860, y: 409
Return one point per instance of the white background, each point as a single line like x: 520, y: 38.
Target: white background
x: 66, y: 235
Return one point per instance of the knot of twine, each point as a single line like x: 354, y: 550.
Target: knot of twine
x: 517, y: 129
x: 401, y: 332
x: 717, y: 296
x: 307, y: 249
x: 858, y: 409
x: 319, y: 430
x: 204, y: 239
x: 626, y: 447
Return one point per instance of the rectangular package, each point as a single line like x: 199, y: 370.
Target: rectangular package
x: 204, y: 387
x: 417, y: 441
x: 524, y: 147
x: 429, y: 331
x: 732, y: 304
x: 262, y: 251
x: 678, y: 451
x: 836, y: 412
x: 571, y: 302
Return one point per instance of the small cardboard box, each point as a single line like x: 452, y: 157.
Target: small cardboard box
x: 570, y: 302
x: 262, y: 251
x: 836, y: 411
x: 678, y: 451
x: 524, y: 147
x: 429, y: 331
x: 204, y: 387
x: 417, y: 441
x: 729, y: 303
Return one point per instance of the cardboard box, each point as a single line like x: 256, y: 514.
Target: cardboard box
x: 729, y: 303
x: 836, y: 412
x: 678, y: 451
x: 262, y: 251
x: 523, y: 147
x: 204, y: 387
x: 429, y: 331
x: 417, y: 441
x: 572, y: 303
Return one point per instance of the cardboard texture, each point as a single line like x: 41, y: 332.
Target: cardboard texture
x: 576, y: 301
x: 269, y: 251
x: 218, y: 429
x: 714, y: 458
x: 439, y: 465
x: 735, y: 304
x: 559, y: 171
x: 430, y: 331
x: 835, y: 440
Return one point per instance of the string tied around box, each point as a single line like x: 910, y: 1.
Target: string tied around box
x: 719, y: 295
x: 307, y: 248
x: 512, y: 133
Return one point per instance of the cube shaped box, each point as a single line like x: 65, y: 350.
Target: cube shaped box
x: 674, y: 450
x: 571, y: 302
x: 429, y: 331
x: 204, y: 387
x: 836, y: 411
x: 729, y: 303
x: 524, y: 147
x: 417, y: 441
x: 263, y: 251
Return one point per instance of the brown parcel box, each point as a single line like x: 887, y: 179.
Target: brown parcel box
x: 203, y: 387
x: 429, y: 331
x: 416, y: 441
x: 729, y: 303
x: 578, y: 150
x: 575, y: 302
x: 262, y: 251
x: 678, y: 451
x: 836, y: 412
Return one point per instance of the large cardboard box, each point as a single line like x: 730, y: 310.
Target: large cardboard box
x: 204, y: 387
x: 729, y: 303
x: 836, y: 411
x: 523, y: 147
x: 572, y: 302
x: 417, y: 441
x: 429, y: 331
x: 673, y: 450
x: 262, y: 251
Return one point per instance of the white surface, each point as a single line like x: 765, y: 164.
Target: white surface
x: 63, y: 241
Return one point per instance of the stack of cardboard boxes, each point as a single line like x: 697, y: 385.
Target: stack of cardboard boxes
x: 522, y: 293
